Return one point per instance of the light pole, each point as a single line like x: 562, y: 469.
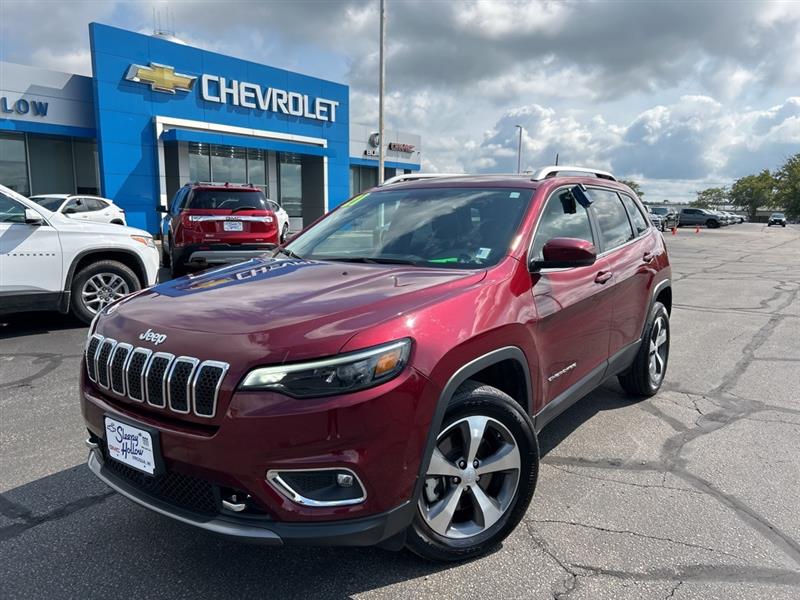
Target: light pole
x: 519, y: 150
x: 381, y: 84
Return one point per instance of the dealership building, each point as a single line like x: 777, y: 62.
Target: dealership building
x: 157, y: 114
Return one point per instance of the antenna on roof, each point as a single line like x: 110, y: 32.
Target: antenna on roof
x: 556, y: 163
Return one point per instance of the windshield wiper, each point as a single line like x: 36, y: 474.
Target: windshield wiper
x: 370, y: 260
x: 289, y: 253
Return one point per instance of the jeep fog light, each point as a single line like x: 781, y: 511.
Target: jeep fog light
x: 336, y: 375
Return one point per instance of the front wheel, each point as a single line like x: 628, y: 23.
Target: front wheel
x: 99, y: 284
x: 646, y: 373
x: 711, y: 224
x: 480, y: 479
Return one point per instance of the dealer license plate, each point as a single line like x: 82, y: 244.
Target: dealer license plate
x: 130, y: 445
x: 232, y: 226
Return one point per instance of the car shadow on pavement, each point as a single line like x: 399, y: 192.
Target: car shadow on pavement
x: 610, y: 396
x: 31, y: 323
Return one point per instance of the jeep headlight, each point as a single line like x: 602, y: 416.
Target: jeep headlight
x: 336, y: 375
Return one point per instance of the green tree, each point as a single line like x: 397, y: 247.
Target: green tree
x: 753, y: 192
x: 710, y: 197
x: 634, y: 186
x: 787, y: 187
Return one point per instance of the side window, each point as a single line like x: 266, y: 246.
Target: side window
x: 558, y: 221
x: 76, y: 205
x: 177, y: 201
x: 615, y: 227
x: 637, y: 218
x: 95, y: 204
x: 11, y: 211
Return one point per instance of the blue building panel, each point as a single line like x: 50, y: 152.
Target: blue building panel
x: 126, y: 111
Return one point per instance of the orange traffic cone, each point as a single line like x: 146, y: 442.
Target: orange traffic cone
x: 697, y: 229
x: 674, y: 231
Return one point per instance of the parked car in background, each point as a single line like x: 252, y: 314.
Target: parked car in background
x: 668, y: 217
x: 736, y: 218
x: 208, y: 224
x: 82, y: 207
x: 777, y: 218
x: 51, y: 262
x: 359, y: 394
x: 700, y: 216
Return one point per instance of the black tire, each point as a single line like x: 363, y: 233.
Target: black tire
x: 712, y: 224
x: 166, y: 257
x: 176, y: 268
x: 78, y: 305
x: 783, y: 224
x: 284, y: 233
x: 476, y: 399
x: 637, y: 380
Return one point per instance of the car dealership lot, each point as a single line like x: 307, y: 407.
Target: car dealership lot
x: 691, y: 493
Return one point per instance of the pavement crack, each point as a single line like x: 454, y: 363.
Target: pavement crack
x: 30, y: 521
x: 637, y: 534
x: 674, y: 589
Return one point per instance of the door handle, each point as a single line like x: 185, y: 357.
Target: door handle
x: 603, y: 276
x: 648, y: 257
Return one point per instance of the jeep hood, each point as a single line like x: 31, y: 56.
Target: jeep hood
x: 281, y: 309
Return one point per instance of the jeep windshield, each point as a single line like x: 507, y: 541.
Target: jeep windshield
x: 460, y: 228
x: 225, y: 199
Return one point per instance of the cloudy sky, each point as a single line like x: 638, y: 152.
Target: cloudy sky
x: 679, y: 95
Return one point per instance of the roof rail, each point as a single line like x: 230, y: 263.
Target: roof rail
x: 554, y: 170
x: 417, y: 176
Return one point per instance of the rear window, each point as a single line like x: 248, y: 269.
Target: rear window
x: 659, y: 210
x: 48, y: 202
x: 223, y: 199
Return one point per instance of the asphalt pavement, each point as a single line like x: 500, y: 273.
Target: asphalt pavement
x: 690, y: 494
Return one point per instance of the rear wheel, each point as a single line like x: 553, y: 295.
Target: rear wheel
x: 166, y: 258
x: 480, y: 479
x: 99, y: 284
x: 646, y: 373
x: 712, y: 224
x: 284, y: 233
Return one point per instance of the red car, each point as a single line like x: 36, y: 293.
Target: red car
x: 209, y: 224
x: 382, y: 378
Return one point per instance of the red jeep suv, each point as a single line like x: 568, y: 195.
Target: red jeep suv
x: 209, y: 224
x: 381, y: 379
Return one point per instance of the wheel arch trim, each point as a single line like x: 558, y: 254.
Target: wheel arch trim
x: 456, y: 379
x: 101, y: 252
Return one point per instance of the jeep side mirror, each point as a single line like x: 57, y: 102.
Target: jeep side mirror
x: 565, y: 253
x: 32, y: 217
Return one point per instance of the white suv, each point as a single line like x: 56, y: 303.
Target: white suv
x: 51, y: 262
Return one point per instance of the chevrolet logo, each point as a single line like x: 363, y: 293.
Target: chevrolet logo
x: 161, y: 78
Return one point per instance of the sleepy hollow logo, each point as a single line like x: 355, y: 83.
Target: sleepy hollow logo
x: 130, y: 446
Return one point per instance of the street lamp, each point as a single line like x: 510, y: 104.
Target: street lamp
x: 381, y: 85
x: 519, y: 150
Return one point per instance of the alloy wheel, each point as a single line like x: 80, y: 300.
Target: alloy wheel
x: 472, y: 478
x: 658, y: 350
x: 102, y: 289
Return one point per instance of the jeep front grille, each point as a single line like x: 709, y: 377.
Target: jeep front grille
x: 181, y: 384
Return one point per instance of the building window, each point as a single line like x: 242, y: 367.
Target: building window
x: 228, y: 164
x: 362, y: 178
x: 257, y: 169
x: 199, y: 162
x: 13, y: 163
x: 87, y: 173
x: 290, y: 172
x: 52, y: 168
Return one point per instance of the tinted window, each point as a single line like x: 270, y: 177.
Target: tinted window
x: 659, y: 210
x: 615, y: 228
x: 223, y: 199
x: 637, y: 218
x: 95, y: 204
x: 11, y: 211
x: 48, y: 202
x: 459, y: 228
x: 561, y: 218
x: 76, y: 205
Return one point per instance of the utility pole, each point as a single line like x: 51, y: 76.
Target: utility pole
x: 519, y: 150
x: 381, y: 86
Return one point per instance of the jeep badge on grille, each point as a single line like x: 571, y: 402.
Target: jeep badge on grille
x: 152, y: 336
